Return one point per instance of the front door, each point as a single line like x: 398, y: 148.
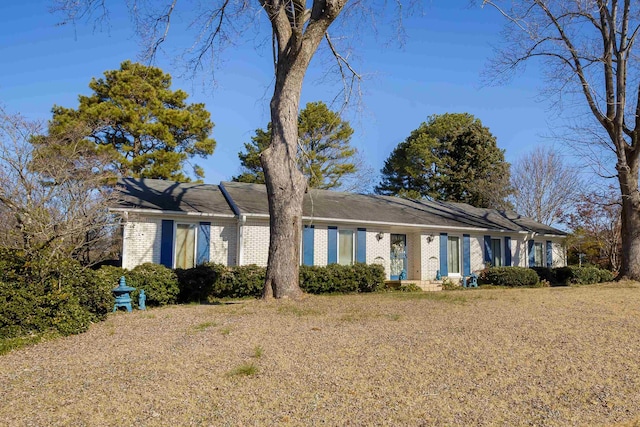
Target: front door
x: 398, y: 256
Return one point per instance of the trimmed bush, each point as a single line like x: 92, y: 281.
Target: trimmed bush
x: 336, y: 278
x: 160, y: 284
x: 211, y: 281
x: 197, y: 284
x: 546, y: 274
x: 509, y: 276
x: 588, y: 275
x: 574, y: 275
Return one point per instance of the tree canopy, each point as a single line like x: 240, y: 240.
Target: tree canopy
x: 325, y: 154
x: 545, y: 188
x: 589, y: 52
x: 147, y: 129
x: 450, y: 157
x: 53, y: 204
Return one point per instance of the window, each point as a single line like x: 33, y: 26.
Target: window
x: 496, y: 253
x: 185, y: 245
x: 538, y: 252
x: 453, y: 255
x: 346, y: 247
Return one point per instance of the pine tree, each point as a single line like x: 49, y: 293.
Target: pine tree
x: 451, y: 157
x: 147, y: 129
x: 325, y: 155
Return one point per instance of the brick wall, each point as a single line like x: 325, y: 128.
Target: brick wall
x: 378, y: 251
x: 256, y: 242
x: 141, y: 241
x: 429, y: 256
x: 223, y: 248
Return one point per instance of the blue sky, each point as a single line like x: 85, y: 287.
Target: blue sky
x: 436, y: 71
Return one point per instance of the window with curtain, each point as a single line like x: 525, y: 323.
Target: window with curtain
x: 496, y: 253
x: 453, y: 255
x: 185, y: 245
x: 345, y: 247
x: 538, y: 254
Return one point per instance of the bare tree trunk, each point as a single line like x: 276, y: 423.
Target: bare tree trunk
x: 630, y: 263
x: 296, y: 37
x: 286, y: 186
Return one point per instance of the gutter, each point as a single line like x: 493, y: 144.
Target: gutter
x: 394, y: 224
x: 172, y: 213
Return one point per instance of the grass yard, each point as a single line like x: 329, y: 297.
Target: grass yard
x: 550, y: 356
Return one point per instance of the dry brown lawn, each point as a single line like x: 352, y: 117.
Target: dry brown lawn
x: 555, y: 356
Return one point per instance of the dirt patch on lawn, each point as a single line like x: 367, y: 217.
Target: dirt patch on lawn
x: 556, y: 356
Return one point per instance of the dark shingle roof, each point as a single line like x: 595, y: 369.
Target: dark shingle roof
x: 252, y: 199
x: 172, y: 196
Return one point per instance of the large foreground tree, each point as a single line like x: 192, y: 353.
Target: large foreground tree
x: 297, y: 29
x: 147, y: 129
x: 589, y: 48
x: 450, y: 157
x: 325, y: 154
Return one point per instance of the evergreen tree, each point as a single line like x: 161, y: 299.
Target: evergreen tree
x: 325, y: 155
x: 147, y: 129
x: 450, y: 157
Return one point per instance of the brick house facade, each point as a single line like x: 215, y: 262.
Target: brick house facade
x: 182, y: 225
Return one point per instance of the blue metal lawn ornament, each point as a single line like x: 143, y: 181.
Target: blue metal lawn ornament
x: 142, y: 299
x: 438, y: 275
x: 123, y: 299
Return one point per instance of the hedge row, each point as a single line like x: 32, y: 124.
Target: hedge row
x: 574, y: 275
x: 37, y: 296
x: 561, y: 276
x: 509, y: 276
x: 213, y: 281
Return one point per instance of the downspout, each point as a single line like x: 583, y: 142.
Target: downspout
x: 242, y: 220
x: 125, y: 219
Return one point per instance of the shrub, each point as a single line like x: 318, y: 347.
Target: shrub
x: 509, y: 276
x: 211, y: 281
x: 410, y: 287
x: 563, y: 274
x: 606, y: 276
x: 450, y: 285
x: 27, y: 309
x: 336, y: 278
x: 197, y: 284
x: 546, y: 274
x: 160, y: 284
x: 586, y: 275
x: 244, y: 281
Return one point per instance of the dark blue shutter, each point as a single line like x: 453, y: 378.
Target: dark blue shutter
x: 488, y: 258
x: 332, y: 242
x: 307, y: 244
x: 361, y: 245
x: 507, y: 251
x: 204, y: 243
x: 549, y: 254
x: 466, y: 255
x: 166, y: 243
x: 532, y: 254
x: 444, y: 269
